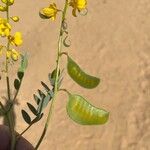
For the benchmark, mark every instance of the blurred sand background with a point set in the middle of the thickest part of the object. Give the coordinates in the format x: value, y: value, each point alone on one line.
x: 112, y: 42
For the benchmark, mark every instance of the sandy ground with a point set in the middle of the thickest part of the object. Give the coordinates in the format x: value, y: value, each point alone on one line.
x: 113, y: 42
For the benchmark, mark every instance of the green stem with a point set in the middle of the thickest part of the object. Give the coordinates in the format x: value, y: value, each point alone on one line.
x: 56, y: 79
x: 3, y: 108
x: 24, y: 131
x: 9, y: 113
x: 7, y: 12
x: 16, y: 94
x: 65, y: 90
x: 64, y: 53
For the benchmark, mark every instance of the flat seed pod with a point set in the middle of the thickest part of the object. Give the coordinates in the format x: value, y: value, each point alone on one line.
x: 80, y: 77
x: 82, y: 112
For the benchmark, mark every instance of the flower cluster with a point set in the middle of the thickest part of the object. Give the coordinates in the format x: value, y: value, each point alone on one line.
x: 51, y: 11
x: 78, y: 5
x: 5, y: 28
x: 5, y: 32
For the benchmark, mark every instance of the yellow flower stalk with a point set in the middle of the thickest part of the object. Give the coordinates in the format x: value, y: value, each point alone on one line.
x: 5, y: 28
x: 8, y: 54
x: 78, y: 5
x: 49, y: 12
x: 16, y: 39
x: 1, y: 47
x: 1, y: 52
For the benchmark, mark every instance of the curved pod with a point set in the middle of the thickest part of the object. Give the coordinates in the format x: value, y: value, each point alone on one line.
x: 82, y: 112
x: 80, y: 77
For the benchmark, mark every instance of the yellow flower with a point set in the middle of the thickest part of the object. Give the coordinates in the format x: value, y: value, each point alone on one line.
x: 13, y: 54
x: 8, y: 54
x: 78, y: 5
x: 2, y: 8
x: 16, y: 39
x: 9, y: 2
x: 49, y: 12
x: 5, y: 28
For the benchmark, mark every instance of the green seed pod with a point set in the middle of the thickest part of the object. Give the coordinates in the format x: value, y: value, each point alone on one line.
x: 80, y: 76
x: 82, y: 112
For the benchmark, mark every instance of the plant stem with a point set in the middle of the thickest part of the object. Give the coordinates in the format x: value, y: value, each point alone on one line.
x: 24, y: 131
x: 2, y: 106
x: 56, y: 79
x: 9, y: 113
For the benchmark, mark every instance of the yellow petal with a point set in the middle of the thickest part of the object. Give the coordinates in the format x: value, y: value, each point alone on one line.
x: 7, y: 32
x: 17, y: 39
x: 81, y: 4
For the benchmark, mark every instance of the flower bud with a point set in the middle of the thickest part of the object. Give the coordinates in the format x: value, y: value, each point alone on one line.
x: 2, y: 8
x: 15, y: 18
x: 49, y: 12
x: 9, y: 2
x: 8, y: 54
x: 14, y: 55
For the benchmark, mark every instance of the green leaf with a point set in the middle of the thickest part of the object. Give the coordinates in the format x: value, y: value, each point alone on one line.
x: 45, y: 86
x: 20, y: 75
x: 52, y: 81
x: 26, y: 116
x: 17, y: 84
x: 41, y: 94
x: 39, y: 109
x: 82, y: 112
x: 37, y: 99
x: 38, y: 118
x: 24, y: 63
x: 2, y: 113
x: 32, y: 108
x: 53, y: 75
x: 80, y: 77
x: 44, y: 102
